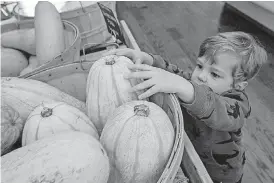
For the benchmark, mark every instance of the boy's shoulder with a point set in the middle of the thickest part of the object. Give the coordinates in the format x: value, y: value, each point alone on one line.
x: 240, y: 99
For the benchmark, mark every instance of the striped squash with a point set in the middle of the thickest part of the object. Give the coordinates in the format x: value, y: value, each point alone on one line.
x: 107, y: 88
x: 138, y: 138
x: 53, y: 118
x: 68, y: 157
x: 11, y: 128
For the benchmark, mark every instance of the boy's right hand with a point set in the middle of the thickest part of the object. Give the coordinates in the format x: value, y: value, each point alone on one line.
x: 138, y: 57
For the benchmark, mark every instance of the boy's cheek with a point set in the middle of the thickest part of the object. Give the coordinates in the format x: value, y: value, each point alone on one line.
x: 194, y: 76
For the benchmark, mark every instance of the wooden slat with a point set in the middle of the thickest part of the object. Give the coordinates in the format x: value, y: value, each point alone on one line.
x: 192, y: 164
x: 129, y: 38
x: 137, y: 32
x: 262, y: 16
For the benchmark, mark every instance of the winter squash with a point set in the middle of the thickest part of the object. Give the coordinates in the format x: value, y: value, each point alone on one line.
x: 12, y: 62
x: 52, y: 118
x: 107, y: 88
x: 25, y: 94
x: 11, y: 127
x: 33, y: 64
x: 68, y: 157
x: 49, y: 32
x: 20, y: 39
x: 138, y: 138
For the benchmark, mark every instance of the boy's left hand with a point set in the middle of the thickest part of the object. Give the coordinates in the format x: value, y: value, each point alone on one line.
x: 155, y: 80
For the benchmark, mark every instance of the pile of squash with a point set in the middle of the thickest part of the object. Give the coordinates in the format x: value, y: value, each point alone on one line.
x: 23, y: 50
x: 50, y: 136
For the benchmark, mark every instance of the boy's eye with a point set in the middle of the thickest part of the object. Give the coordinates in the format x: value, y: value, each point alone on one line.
x: 199, y: 66
x: 215, y: 75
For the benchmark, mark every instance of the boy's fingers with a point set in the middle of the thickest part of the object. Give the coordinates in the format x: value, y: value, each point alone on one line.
x: 144, y: 85
x: 142, y: 67
x: 122, y: 51
x: 149, y: 93
x: 111, y: 52
x: 138, y: 75
x: 138, y: 61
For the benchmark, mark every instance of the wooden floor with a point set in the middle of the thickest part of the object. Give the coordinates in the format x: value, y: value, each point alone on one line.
x: 175, y: 30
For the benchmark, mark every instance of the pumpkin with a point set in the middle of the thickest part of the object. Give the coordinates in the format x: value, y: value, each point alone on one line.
x: 107, y: 88
x: 11, y: 127
x: 67, y: 157
x: 25, y: 94
x: 138, y: 138
x: 53, y: 118
x: 49, y: 32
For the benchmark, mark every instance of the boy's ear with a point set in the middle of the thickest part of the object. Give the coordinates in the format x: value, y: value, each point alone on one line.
x: 241, y: 85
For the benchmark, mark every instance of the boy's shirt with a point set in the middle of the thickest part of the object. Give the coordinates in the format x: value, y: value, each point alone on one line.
x: 213, y: 123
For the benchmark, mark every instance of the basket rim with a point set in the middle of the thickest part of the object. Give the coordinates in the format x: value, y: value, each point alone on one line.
x: 178, y: 147
x: 66, y: 22
x: 76, y: 38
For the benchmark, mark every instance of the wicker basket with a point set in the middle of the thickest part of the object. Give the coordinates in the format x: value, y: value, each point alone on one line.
x: 86, y: 15
x: 71, y: 78
x: 71, y: 52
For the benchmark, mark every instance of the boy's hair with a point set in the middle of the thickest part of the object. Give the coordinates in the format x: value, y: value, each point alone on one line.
x: 248, y: 49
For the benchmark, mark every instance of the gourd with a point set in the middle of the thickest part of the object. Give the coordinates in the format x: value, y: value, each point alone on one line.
x: 138, y: 138
x: 68, y: 157
x: 33, y: 64
x: 49, y: 32
x: 53, y: 118
x: 12, y: 62
x: 107, y: 88
x: 25, y: 94
x: 21, y: 39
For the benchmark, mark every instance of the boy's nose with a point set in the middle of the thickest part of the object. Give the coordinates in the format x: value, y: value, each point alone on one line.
x: 202, y: 77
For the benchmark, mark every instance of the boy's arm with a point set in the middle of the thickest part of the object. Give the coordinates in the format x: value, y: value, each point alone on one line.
x: 225, y: 112
x: 159, y: 62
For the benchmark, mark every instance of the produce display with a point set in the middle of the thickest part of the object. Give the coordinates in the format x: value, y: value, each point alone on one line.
x: 108, y: 136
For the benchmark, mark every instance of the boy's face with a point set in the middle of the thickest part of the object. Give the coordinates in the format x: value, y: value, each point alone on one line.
x: 216, y: 75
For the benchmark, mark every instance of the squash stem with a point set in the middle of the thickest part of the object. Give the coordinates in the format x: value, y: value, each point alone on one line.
x: 46, y: 112
x: 110, y: 62
x: 141, y: 110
